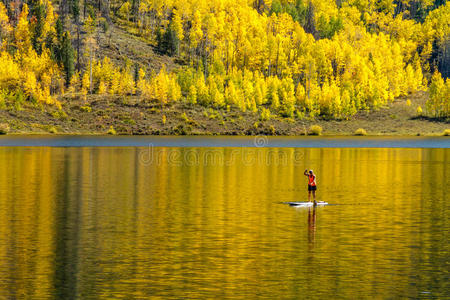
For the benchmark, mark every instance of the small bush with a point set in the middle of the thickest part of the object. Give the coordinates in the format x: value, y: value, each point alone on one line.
x: 111, y: 130
x: 164, y: 119
x: 86, y: 108
x: 185, y: 117
x: 315, y: 130
x: 419, y: 111
x: 360, y: 131
x: 59, y: 114
x: 53, y: 130
x: 272, y: 130
x: 446, y: 132
x: 300, y: 114
x: 408, y: 102
x: 4, y: 128
x: 265, y: 114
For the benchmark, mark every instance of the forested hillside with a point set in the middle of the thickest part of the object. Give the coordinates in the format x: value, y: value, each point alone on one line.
x: 290, y: 59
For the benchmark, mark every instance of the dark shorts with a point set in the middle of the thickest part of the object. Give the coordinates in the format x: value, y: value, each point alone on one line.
x: 312, y: 187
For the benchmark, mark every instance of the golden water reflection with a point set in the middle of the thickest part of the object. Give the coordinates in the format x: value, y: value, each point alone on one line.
x: 113, y: 223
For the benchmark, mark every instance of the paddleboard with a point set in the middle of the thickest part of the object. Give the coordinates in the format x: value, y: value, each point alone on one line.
x: 306, y: 203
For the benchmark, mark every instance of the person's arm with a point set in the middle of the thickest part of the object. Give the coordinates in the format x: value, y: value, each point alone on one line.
x: 305, y: 173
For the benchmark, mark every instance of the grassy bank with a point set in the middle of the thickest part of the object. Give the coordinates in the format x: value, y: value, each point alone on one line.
x: 132, y: 116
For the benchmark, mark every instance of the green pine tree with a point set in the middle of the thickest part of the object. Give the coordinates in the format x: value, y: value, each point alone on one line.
x: 67, y: 55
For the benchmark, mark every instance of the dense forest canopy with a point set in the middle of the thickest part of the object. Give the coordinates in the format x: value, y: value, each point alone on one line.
x: 293, y: 58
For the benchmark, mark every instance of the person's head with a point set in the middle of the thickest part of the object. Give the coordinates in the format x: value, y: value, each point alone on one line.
x: 311, y: 172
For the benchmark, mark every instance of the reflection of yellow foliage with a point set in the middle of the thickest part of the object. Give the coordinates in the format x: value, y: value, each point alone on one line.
x: 231, y: 208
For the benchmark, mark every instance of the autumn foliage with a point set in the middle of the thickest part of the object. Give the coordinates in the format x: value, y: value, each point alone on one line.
x: 288, y: 58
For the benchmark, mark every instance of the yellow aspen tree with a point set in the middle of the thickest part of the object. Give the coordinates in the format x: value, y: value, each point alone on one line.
x: 196, y: 33
x: 101, y: 87
x: 174, y: 89
x: 177, y: 24
x: 74, y: 83
x: 192, y: 95
x: 10, y: 72
x: 438, y: 104
x: 30, y: 84
x: 300, y: 94
x: 85, y: 84
x: 114, y: 87
x: 141, y: 83
x: 49, y: 22
x: 230, y: 94
x: 22, y: 33
x: 5, y: 27
x: 202, y: 90
x: 124, y: 10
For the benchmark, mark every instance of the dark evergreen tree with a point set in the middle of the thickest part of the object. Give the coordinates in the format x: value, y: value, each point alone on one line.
x: 67, y: 54
x: 56, y: 47
x: 38, y: 12
x: 75, y: 9
x: 168, y: 41
x: 310, y: 24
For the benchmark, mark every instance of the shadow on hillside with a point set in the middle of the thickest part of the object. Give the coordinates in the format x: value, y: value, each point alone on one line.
x: 431, y: 119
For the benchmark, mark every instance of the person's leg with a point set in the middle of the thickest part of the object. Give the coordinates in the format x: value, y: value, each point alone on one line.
x: 314, y: 195
x: 309, y: 195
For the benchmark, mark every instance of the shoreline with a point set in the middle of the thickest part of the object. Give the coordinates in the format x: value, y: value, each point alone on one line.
x: 236, y: 142
x: 312, y: 136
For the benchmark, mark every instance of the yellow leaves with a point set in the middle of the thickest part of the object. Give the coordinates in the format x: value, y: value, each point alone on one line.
x: 265, y: 114
x: 196, y: 32
x: 9, y: 72
x: 439, y: 102
x: 74, y: 83
x: 22, y: 33
x: 231, y: 96
x: 177, y: 24
x: 300, y: 94
x: 124, y: 10
x: 106, y: 78
x: 85, y: 83
x: 4, y: 20
x: 192, y: 95
x: 436, y: 24
x: 162, y: 87
x: 216, y: 97
x: 39, y: 64
x: 419, y: 111
x: 31, y: 73
x: 247, y: 59
x: 5, y: 27
x: 29, y: 84
x: 50, y: 18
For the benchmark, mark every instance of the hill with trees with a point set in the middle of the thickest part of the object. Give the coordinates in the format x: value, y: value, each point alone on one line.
x: 289, y: 60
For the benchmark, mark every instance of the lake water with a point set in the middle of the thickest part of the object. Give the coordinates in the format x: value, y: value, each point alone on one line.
x: 195, y: 219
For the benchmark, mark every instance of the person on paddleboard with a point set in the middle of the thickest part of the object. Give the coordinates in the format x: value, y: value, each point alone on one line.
x: 312, y: 187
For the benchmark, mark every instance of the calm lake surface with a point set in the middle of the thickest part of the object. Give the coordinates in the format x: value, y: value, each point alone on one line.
x: 142, y: 218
